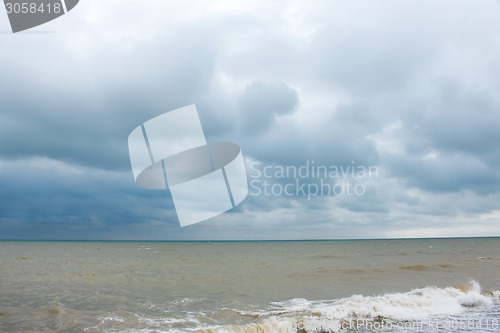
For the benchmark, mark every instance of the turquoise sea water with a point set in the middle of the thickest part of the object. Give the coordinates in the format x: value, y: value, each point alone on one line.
x: 429, y: 285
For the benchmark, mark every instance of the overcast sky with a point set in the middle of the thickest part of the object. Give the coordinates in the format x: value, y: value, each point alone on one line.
x: 410, y: 88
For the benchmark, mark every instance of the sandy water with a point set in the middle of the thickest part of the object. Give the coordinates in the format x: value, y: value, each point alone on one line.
x: 442, y: 284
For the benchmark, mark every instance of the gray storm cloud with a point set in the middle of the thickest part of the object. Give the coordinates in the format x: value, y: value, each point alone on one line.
x: 411, y: 88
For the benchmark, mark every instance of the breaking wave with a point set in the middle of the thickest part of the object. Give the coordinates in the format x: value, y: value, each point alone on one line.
x: 367, y: 313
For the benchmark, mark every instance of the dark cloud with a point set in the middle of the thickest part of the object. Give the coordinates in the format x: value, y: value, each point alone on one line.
x: 458, y: 120
x: 450, y: 142
x: 449, y: 173
x: 260, y: 104
x: 87, y: 116
x: 334, y: 139
x: 409, y: 88
x: 41, y: 191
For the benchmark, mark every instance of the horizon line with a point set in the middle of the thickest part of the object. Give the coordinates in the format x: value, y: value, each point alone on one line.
x: 246, y: 240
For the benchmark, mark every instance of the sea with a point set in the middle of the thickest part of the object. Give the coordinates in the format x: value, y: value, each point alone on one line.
x: 398, y: 285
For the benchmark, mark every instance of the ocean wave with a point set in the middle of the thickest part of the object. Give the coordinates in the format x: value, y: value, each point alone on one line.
x: 300, y: 315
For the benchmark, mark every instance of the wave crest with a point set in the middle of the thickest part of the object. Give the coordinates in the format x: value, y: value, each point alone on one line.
x: 300, y: 315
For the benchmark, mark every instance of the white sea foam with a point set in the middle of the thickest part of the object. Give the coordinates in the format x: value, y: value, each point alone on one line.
x: 429, y: 309
x: 414, y: 305
x: 331, y: 316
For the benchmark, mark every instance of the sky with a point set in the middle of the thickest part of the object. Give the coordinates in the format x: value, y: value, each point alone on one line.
x: 409, y: 90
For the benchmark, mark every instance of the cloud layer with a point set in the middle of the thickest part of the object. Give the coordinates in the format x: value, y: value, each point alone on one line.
x: 408, y: 88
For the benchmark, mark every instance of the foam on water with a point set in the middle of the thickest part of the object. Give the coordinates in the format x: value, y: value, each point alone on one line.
x: 415, y: 309
x: 115, y: 287
x: 332, y: 316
